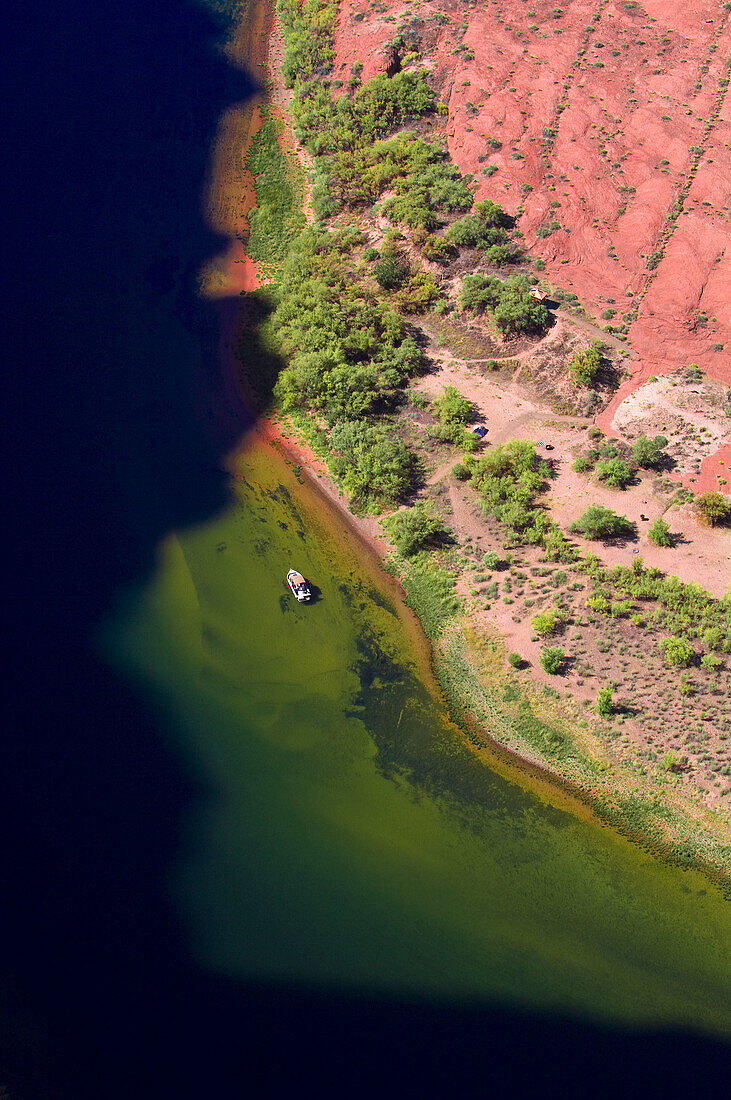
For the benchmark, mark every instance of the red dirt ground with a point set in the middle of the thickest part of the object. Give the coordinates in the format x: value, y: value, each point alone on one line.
x: 588, y: 101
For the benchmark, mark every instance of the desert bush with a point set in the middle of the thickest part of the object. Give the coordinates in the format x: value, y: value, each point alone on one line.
x: 585, y: 365
x: 546, y: 623
x: 437, y: 249
x: 515, y: 660
x: 419, y: 294
x: 599, y: 522
x: 615, y: 471
x: 461, y: 472
x: 552, y: 659
x: 491, y: 559
x: 414, y: 529
x: 677, y: 652
x: 713, y: 508
x: 392, y: 269
x: 604, y: 702
x: 659, y: 533
x: 452, y: 408
x: 670, y: 761
x: 649, y: 452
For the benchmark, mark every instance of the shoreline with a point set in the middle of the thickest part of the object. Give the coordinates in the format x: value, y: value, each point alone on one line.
x: 518, y: 767
x: 516, y: 764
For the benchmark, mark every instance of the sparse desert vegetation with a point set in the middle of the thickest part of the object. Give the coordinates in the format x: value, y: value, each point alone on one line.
x: 407, y: 313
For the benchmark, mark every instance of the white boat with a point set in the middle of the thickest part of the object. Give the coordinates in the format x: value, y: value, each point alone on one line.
x: 299, y: 585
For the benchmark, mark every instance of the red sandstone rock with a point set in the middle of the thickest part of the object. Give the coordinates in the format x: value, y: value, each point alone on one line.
x: 588, y: 101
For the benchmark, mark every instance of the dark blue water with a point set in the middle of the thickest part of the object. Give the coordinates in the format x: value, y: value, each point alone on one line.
x: 114, y: 433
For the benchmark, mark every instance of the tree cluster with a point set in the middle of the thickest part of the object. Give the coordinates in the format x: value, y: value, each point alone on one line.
x: 509, y: 302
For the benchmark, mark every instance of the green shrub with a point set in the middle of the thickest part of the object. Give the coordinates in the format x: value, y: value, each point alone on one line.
x: 515, y: 660
x: 649, y: 452
x: 452, y: 408
x: 509, y: 301
x: 659, y: 533
x: 711, y: 662
x: 437, y: 249
x: 546, y: 622
x: 414, y: 529
x: 368, y: 461
x: 552, y: 659
x: 585, y: 365
x: 491, y: 559
x: 713, y: 508
x: 670, y: 761
x: 506, y: 478
x: 483, y: 229
x: 309, y: 37
x: 677, y: 652
x: 419, y: 294
x: 391, y: 270
x: 615, y: 471
x: 461, y: 472
x: 604, y: 702
x: 582, y: 465
x: 599, y: 522
x: 371, y: 254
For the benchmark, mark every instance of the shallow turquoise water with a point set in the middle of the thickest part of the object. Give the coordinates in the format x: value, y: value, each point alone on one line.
x: 345, y: 836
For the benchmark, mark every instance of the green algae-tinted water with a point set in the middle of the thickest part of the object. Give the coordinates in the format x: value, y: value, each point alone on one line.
x: 345, y: 836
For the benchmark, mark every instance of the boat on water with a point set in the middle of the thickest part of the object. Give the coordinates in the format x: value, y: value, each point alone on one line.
x: 299, y: 586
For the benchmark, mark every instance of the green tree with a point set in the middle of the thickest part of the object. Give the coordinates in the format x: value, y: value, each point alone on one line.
x: 585, y: 365
x: 659, y: 533
x: 713, y: 508
x: 615, y: 471
x: 552, y: 658
x: 371, y: 463
x: 414, y: 529
x: 517, y: 310
x: 599, y: 522
x: 513, y: 307
x: 677, y: 651
x: 604, y: 702
x: 452, y: 408
x: 649, y: 452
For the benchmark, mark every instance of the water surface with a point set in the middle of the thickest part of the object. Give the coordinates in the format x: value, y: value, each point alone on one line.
x: 347, y: 837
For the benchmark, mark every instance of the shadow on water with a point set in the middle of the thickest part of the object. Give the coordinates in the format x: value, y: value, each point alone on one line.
x: 115, y: 440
